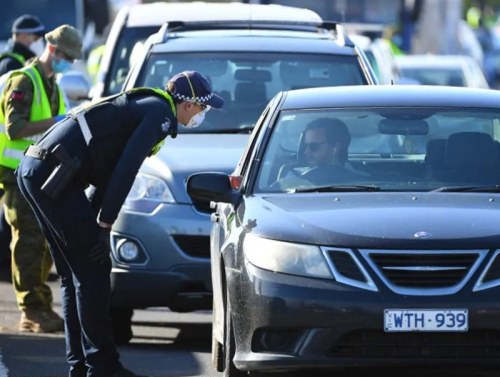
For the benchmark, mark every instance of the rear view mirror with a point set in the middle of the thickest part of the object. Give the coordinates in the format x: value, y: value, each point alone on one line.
x: 403, y: 127
x: 74, y: 85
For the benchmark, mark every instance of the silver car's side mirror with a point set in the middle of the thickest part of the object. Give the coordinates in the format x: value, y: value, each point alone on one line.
x: 74, y: 85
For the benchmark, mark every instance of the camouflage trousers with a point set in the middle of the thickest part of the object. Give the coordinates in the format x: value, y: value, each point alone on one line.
x: 31, y: 260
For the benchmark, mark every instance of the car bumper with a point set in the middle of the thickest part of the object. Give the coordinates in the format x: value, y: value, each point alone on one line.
x: 174, y: 269
x: 288, y: 323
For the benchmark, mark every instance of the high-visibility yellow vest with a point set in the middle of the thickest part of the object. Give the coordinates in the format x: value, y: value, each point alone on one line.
x: 156, y: 91
x: 94, y: 61
x: 11, y: 151
x: 13, y: 55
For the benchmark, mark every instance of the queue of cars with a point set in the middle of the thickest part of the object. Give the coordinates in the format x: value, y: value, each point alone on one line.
x: 385, y: 254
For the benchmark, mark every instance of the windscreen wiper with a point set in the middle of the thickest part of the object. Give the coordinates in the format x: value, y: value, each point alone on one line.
x: 337, y: 188
x: 243, y: 130
x: 468, y: 189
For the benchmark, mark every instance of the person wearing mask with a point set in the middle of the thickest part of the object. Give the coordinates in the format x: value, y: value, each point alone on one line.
x: 26, y: 44
x: 103, y: 145
x: 30, y: 104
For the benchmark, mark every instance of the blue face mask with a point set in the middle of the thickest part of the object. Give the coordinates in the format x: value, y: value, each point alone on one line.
x: 61, y: 66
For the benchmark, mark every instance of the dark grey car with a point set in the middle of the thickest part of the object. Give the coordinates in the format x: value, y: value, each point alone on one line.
x: 387, y: 257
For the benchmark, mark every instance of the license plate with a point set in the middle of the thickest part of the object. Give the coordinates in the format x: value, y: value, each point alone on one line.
x: 405, y: 320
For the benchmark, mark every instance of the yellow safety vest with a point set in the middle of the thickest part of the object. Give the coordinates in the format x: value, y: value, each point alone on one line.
x: 94, y: 61
x: 11, y: 151
x: 156, y: 91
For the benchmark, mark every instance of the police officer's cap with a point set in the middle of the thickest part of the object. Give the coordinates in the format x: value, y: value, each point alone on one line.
x: 192, y: 86
x: 28, y: 24
x: 67, y: 39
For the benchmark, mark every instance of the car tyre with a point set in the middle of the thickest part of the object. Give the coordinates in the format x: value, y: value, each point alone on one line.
x: 121, y: 323
x: 230, y: 369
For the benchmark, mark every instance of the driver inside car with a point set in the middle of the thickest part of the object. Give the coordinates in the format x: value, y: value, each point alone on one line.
x: 323, y: 148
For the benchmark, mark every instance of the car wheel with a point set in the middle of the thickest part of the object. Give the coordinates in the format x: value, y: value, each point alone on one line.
x: 230, y: 346
x: 121, y: 323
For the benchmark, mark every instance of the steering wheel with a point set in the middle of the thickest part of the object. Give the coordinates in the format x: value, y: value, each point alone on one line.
x: 327, y: 174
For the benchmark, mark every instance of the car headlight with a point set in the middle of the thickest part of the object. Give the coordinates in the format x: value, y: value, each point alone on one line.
x: 147, y: 193
x: 285, y: 257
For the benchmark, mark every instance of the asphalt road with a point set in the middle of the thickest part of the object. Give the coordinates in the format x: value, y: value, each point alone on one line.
x: 165, y: 344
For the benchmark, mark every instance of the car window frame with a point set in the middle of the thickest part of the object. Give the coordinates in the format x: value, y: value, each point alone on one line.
x: 261, y: 144
x: 246, y: 158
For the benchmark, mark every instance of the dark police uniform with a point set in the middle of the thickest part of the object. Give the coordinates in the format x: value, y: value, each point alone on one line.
x: 14, y: 57
x: 124, y: 130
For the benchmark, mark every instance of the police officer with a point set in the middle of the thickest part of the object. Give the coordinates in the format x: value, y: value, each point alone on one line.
x: 30, y: 103
x: 103, y: 145
x: 26, y: 43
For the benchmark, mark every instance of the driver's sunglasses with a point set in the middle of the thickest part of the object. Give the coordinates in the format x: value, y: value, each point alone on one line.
x: 64, y: 56
x: 314, y: 146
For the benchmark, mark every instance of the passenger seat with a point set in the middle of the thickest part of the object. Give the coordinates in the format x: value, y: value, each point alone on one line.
x: 472, y: 157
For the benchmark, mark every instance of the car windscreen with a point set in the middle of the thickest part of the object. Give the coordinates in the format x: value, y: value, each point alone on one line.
x: 248, y: 81
x: 52, y: 13
x: 394, y: 149
x: 130, y: 41
x: 436, y: 76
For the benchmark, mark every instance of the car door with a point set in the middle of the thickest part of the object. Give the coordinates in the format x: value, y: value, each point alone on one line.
x: 223, y: 222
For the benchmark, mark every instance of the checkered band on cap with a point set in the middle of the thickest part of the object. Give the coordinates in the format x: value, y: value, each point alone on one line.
x: 182, y: 97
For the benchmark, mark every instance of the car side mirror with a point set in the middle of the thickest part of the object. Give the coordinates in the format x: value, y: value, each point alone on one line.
x: 211, y: 187
x: 75, y: 86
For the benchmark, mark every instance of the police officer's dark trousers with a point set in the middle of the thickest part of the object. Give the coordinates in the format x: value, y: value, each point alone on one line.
x: 70, y: 226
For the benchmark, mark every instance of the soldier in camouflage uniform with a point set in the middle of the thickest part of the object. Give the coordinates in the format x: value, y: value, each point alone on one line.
x: 31, y: 260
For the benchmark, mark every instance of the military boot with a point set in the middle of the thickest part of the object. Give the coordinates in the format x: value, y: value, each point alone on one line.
x: 58, y: 321
x: 38, y: 321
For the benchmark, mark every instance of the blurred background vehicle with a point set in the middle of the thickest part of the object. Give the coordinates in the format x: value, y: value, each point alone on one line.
x: 380, y: 56
x: 442, y: 70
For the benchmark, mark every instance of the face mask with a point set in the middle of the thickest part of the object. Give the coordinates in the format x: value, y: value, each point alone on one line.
x: 37, y: 47
x: 61, y: 66
x: 197, y: 119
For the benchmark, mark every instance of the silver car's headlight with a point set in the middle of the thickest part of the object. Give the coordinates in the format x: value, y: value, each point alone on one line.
x: 285, y: 257
x: 147, y: 193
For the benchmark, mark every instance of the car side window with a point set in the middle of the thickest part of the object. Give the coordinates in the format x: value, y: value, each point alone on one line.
x: 247, y: 154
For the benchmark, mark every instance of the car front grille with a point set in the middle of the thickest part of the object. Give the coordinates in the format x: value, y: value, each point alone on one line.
x: 439, y: 345
x: 195, y: 246
x: 346, y: 265
x: 425, y: 272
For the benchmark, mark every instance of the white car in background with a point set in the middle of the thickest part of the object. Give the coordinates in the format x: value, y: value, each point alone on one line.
x: 449, y: 70
x: 134, y: 24
x: 380, y: 56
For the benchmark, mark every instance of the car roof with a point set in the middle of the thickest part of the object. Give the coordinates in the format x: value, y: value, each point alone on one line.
x: 391, y: 96
x: 156, y: 14
x: 252, y: 40
x: 432, y: 61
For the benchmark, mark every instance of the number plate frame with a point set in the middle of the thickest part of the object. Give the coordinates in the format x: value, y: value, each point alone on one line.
x: 429, y: 317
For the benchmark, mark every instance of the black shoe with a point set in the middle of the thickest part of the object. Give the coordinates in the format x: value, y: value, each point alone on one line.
x: 125, y: 373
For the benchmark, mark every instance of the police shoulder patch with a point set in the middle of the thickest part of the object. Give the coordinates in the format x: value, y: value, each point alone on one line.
x: 165, y: 125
